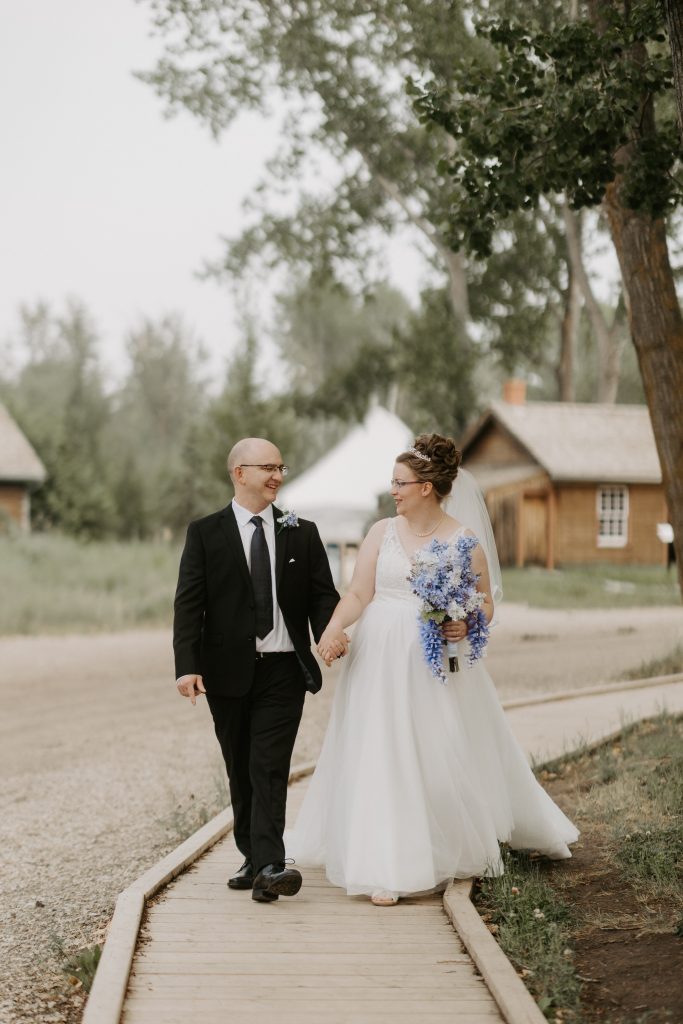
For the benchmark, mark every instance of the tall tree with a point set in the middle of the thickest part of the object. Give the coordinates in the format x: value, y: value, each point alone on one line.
x: 154, y: 411
x: 59, y: 400
x: 340, y: 67
x: 583, y: 111
x: 674, y: 20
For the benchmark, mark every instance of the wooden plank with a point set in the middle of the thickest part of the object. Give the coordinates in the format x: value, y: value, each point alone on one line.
x: 206, y: 951
x: 507, y: 988
x: 391, y: 1006
x: 150, y: 1015
x: 108, y: 991
x: 331, y: 970
x: 404, y: 957
x: 284, y: 995
x: 182, y: 954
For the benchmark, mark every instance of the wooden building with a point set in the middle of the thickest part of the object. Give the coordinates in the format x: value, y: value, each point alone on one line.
x: 20, y: 471
x: 567, y: 482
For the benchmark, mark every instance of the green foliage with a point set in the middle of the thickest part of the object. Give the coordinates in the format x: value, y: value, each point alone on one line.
x: 60, y: 403
x: 154, y: 413
x: 653, y: 855
x: 339, y: 68
x: 551, y: 113
x: 130, y: 463
x: 342, y: 352
x: 57, y: 584
x: 664, y: 665
x: 532, y: 925
x: 83, y: 965
x: 435, y: 368
x: 592, y: 586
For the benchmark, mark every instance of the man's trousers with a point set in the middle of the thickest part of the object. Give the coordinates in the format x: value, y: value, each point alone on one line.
x: 257, y: 733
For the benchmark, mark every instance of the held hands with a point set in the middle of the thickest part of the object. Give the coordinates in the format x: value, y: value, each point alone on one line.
x: 454, y: 631
x: 334, y: 643
x: 190, y: 686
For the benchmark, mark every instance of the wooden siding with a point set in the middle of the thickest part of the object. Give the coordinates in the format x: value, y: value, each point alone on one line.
x: 505, y: 509
x: 495, y: 447
x: 14, y: 503
x: 577, y: 526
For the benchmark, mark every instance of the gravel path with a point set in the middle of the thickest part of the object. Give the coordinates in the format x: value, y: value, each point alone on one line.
x: 105, y: 769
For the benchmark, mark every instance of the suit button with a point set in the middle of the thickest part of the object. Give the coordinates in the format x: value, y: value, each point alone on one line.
x: 250, y: 637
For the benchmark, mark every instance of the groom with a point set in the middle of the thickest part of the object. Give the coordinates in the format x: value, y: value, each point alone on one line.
x: 250, y: 582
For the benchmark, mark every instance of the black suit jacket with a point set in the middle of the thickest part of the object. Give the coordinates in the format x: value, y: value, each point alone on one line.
x: 214, y: 625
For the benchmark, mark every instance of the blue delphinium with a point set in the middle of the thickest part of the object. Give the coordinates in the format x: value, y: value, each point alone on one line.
x: 442, y: 577
x: 288, y: 520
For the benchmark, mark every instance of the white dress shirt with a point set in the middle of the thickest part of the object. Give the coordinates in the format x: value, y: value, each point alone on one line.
x: 278, y: 639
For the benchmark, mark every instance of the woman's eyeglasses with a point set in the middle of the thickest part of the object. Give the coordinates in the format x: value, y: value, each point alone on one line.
x: 398, y: 484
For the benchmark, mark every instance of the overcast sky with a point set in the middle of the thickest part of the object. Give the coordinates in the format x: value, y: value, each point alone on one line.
x: 101, y: 196
x: 104, y: 199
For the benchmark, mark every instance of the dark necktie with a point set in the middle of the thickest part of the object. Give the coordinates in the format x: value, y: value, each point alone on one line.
x: 261, y: 579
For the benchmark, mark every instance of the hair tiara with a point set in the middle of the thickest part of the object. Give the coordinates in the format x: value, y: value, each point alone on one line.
x: 419, y: 455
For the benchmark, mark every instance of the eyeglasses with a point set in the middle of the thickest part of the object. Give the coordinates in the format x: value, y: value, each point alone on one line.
x: 396, y: 485
x: 270, y: 467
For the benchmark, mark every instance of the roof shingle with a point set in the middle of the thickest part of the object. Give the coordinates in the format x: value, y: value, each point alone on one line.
x: 585, y: 442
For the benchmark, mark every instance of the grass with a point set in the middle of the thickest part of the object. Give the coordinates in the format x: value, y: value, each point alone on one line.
x: 189, y: 815
x: 533, y: 927
x: 592, y: 586
x: 55, y: 584
x: 626, y: 796
x: 668, y: 664
x: 79, y: 966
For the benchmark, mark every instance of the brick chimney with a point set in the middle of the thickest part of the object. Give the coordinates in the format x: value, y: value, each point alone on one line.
x: 514, y: 391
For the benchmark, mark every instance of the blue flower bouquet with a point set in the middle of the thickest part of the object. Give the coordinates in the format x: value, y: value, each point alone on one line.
x: 441, y: 575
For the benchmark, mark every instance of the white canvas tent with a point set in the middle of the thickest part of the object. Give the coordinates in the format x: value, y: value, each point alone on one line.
x: 339, y: 493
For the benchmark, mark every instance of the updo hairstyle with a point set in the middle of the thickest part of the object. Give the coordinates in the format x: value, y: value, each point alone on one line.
x: 442, y: 468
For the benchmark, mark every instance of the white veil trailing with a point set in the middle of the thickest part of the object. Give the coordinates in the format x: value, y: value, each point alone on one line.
x: 466, y: 504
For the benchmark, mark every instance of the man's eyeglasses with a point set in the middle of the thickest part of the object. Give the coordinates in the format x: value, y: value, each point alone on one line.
x: 270, y: 467
x: 398, y: 484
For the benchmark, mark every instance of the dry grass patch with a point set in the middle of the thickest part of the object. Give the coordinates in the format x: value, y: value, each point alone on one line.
x: 619, y: 902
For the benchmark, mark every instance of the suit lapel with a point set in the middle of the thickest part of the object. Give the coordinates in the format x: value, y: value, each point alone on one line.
x: 232, y: 532
x: 280, y: 545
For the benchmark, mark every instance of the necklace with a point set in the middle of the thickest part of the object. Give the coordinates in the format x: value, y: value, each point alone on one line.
x: 427, y: 532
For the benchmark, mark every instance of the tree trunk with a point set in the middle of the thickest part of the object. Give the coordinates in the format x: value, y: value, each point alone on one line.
x: 458, y: 288
x: 674, y: 20
x: 606, y: 338
x: 657, y: 330
x: 569, y: 336
x: 653, y: 311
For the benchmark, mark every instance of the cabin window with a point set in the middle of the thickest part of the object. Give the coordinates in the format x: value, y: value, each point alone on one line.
x: 612, y: 508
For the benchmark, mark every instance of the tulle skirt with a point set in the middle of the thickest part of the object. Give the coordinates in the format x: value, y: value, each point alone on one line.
x: 417, y: 781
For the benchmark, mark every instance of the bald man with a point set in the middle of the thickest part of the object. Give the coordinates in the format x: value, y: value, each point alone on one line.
x: 249, y: 585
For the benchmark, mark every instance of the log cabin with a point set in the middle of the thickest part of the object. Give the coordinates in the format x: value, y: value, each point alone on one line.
x: 568, y: 483
x: 20, y: 471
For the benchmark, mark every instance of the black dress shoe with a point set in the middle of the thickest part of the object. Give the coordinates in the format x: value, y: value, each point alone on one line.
x: 243, y: 878
x: 275, y: 880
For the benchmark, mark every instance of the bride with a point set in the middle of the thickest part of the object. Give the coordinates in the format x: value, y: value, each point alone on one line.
x: 417, y: 782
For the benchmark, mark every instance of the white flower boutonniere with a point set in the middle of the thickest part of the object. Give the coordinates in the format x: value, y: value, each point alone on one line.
x: 287, y: 520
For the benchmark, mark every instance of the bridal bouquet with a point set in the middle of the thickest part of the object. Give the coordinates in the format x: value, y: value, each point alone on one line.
x: 441, y: 575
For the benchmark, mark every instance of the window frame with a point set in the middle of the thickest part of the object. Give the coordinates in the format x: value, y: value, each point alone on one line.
x: 612, y: 540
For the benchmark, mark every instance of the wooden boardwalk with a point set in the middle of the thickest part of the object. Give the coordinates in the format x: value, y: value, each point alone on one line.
x: 212, y: 955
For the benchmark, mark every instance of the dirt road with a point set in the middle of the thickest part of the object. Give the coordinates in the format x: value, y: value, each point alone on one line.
x: 105, y: 768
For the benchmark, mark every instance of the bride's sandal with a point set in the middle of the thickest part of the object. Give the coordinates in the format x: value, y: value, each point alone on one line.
x: 384, y: 898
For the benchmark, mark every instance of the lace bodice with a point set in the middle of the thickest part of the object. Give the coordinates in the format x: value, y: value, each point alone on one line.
x: 393, y: 566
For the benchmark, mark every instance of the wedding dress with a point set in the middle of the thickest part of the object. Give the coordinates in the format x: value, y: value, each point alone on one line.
x: 416, y: 781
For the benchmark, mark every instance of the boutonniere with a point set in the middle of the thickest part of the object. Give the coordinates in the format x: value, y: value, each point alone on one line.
x: 287, y: 520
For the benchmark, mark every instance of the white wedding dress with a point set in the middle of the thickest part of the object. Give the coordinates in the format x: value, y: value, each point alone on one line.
x: 416, y: 781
